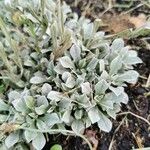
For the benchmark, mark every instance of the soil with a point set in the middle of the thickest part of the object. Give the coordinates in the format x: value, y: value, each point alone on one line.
x: 134, y: 132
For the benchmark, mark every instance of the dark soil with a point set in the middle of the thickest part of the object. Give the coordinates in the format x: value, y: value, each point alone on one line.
x: 134, y: 132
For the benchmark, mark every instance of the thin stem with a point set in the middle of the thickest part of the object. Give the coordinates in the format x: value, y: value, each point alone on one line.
x: 125, y: 113
x: 61, y: 131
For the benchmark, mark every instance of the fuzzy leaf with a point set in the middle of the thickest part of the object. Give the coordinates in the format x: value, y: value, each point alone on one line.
x: 3, y: 106
x: 51, y: 119
x: 54, y: 95
x: 66, y: 62
x: 46, y: 88
x: 115, y: 65
x: 93, y: 114
x: 37, y: 80
x: 86, y: 89
x: 130, y: 76
x: 117, y: 45
x: 39, y: 141
x: 12, y: 139
x: 104, y: 123
x: 92, y: 64
x: 29, y: 135
x: 75, y: 52
x: 78, y: 126
x: 101, y: 87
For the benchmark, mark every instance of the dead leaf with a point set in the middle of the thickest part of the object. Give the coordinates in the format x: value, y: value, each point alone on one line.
x: 118, y: 23
x: 91, y: 136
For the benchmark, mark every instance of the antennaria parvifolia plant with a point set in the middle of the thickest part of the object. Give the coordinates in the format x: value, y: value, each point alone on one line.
x: 60, y: 71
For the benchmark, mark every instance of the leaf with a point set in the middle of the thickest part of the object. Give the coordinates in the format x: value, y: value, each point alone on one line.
x: 75, y: 52
x: 29, y: 135
x: 40, y: 110
x: 56, y: 147
x: 93, y: 114
x: 101, y: 87
x: 78, y: 126
x: 46, y: 88
x: 66, y: 116
x: 41, y: 124
x: 104, y: 123
x: 70, y: 83
x: 13, y: 95
x: 66, y: 62
x: 106, y: 103
x: 86, y: 89
x: 122, y: 98
x: 20, y: 105
x: 117, y: 91
x: 37, y: 80
x: 3, y: 106
x: 39, y: 142
x: 29, y: 100
x: 117, y: 44
x: 54, y: 95
x: 92, y: 64
x: 51, y: 119
x: 130, y: 76
x: 50, y: 69
x: 101, y: 65
x: 12, y: 139
x: 115, y: 65
x: 78, y: 114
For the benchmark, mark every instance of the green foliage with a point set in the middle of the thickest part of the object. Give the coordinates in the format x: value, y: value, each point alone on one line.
x: 61, y: 71
x: 56, y: 147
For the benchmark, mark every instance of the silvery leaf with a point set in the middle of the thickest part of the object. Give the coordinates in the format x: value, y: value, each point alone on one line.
x: 29, y: 135
x: 65, y: 76
x: 13, y: 95
x: 54, y: 95
x: 130, y: 76
x: 42, y: 100
x: 51, y: 119
x: 46, y: 88
x: 50, y: 69
x: 29, y: 100
x: 78, y: 114
x: 106, y: 103
x: 75, y: 52
x: 82, y: 63
x: 3, y: 106
x: 66, y: 62
x: 12, y: 139
x: 122, y: 98
x: 66, y: 116
x: 111, y: 113
x: 93, y: 114
x: 117, y: 91
x: 92, y: 64
x: 101, y: 87
x: 59, y: 69
x: 70, y: 83
x: 40, y: 110
x: 117, y: 45
x: 78, y: 126
x: 104, y: 123
x: 101, y: 65
x: 20, y: 105
x: 86, y: 88
x: 39, y: 142
x: 37, y: 80
x: 115, y: 65
x: 41, y: 124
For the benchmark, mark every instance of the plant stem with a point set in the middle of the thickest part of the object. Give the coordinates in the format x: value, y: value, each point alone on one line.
x: 61, y: 131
